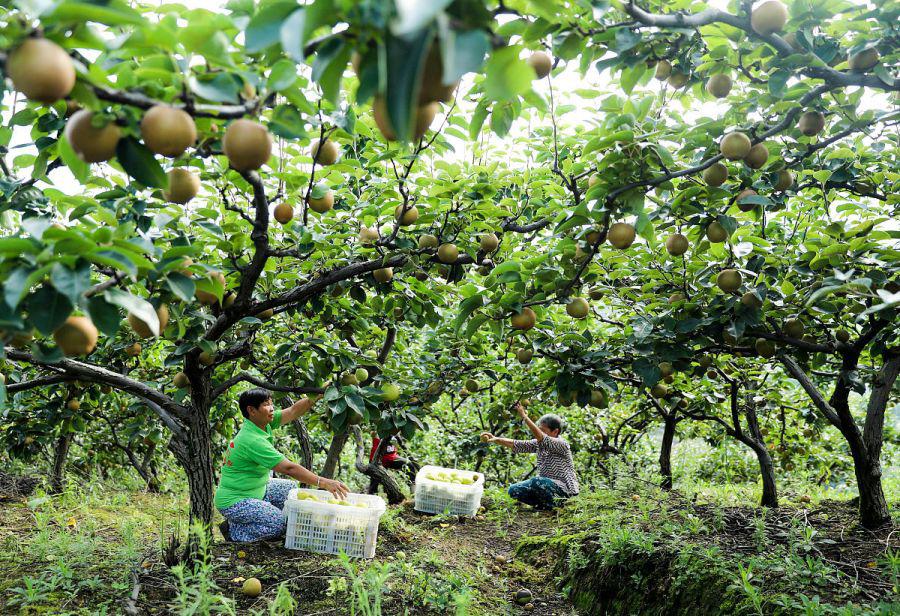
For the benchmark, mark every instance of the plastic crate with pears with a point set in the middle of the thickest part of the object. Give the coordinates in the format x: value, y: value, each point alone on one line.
x: 318, y: 522
x: 448, y: 490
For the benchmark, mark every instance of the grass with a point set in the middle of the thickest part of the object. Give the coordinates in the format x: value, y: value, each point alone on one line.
x: 701, y: 549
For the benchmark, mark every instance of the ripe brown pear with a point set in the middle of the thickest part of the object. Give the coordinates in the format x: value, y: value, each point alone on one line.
x: 757, y: 156
x: 750, y: 300
x: 425, y: 115
x: 678, y: 79
x: 663, y: 70
x: 141, y: 328
x: 407, y: 218
x: 676, y: 244
x: 384, y: 274
x: 811, y: 123
x: 133, y: 350
x: 743, y: 205
x: 426, y: 240
x: 324, y: 153
x: 322, y: 204
x: 524, y: 320
x: 41, y: 70
x: 715, y: 174
x: 769, y: 17
x: 74, y: 404
x: 448, y: 253
x: 183, y: 185
x: 729, y: 280
x: 489, y: 242
x: 284, y: 213
x: 91, y: 144
x: 719, y: 85
x: 793, y: 328
x: 598, y: 398
x: 77, y: 336
x: 765, y: 348
x: 863, y: 61
x: 168, y: 131
x: 785, y: 180
x: 621, y: 235
x: 431, y: 86
x: 735, y: 146
x: 541, y: 62
x: 578, y: 308
x: 716, y: 233
x: 207, y: 298
x: 247, y: 144
x: 368, y: 235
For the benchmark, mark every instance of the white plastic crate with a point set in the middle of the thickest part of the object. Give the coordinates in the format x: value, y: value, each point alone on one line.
x: 436, y: 493
x: 320, y: 526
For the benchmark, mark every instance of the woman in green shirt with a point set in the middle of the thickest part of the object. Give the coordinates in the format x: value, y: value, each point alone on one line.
x: 249, y: 500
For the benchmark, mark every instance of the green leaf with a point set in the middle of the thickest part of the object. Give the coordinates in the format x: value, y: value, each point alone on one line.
x: 292, y: 35
x: 405, y: 59
x: 48, y: 308
x: 264, y: 30
x: 478, y: 117
x: 466, y: 308
x: 15, y: 246
x: 104, y: 315
x: 113, y: 258
x: 71, y: 282
x: 139, y: 163
x: 506, y: 75
x: 114, y: 13
x: 217, y: 87
x: 413, y: 15
x: 80, y: 169
x: 138, y: 306
x: 328, y: 67
x: 464, y: 52
x: 282, y: 76
x: 182, y: 286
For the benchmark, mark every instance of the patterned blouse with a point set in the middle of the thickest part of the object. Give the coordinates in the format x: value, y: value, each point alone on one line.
x: 554, y: 461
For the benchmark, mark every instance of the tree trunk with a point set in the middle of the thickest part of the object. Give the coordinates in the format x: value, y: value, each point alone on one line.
x: 665, y: 451
x: 334, y: 454
x: 757, y: 443
x: 306, y: 455
x: 377, y: 474
x: 873, y: 507
x: 767, y: 473
x: 60, y: 454
x: 194, y: 454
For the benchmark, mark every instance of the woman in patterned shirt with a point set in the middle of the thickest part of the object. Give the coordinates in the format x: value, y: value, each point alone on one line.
x: 556, y: 479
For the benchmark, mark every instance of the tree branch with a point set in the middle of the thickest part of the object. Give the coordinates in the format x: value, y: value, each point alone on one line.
x: 815, y: 395
x: 90, y: 372
x: 249, y: 378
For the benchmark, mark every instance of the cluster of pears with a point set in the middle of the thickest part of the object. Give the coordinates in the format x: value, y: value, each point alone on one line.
x: 308, y: 496
x: 771, y: 16
x: 451, y: 477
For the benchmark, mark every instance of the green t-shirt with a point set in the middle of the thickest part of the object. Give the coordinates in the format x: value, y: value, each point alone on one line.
x: 248, y: 460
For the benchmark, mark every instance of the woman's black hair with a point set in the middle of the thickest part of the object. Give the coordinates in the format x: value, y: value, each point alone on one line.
x: 253, y: 397
x: 554, y: 422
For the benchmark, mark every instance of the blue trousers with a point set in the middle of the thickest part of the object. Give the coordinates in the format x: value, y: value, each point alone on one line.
x: 540, y: 492
x: 253, y: 519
